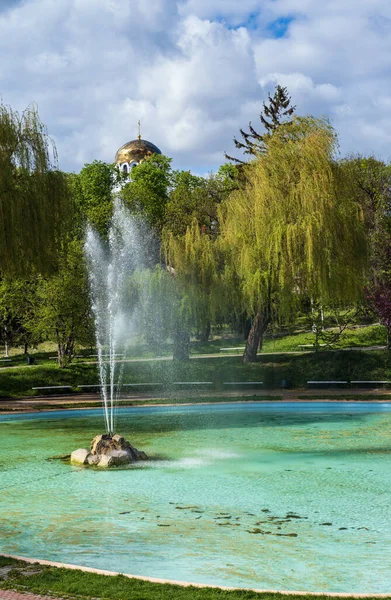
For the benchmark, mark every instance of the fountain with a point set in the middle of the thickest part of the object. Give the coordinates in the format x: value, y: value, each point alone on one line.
x: 110, y: 265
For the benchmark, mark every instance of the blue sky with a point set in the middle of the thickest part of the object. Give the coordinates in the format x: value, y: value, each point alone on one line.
x: 194, y: 71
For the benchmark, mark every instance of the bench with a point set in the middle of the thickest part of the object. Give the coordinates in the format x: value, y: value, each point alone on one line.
x: 90, y: 385
x: 5, y: 359
x: 241, y: 348
x: 96, y: 355
x: 96, y: 385
x: 53, y: 387
x: 99, y: 385
x: 186, y: 383
x: 242, y: 382
x: 310, y: 346
x: 361, y: 382
x: 329, y: 383
x: 140, y: 384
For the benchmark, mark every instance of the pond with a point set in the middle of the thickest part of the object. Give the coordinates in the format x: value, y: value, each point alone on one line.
x: 288, y: 496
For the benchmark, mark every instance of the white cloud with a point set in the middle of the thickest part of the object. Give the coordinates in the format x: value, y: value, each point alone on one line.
x: 231, y: 12
x: 194, y: 71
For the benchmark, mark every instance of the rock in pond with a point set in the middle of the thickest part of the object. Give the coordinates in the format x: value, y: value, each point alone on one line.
x: 80, y: 456
x: 93, y: 459
x: 108, y: 451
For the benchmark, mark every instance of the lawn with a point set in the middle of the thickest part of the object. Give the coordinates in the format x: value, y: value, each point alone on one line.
x: 370, y: 335
x: 62, y: 582
x: 296, y: 369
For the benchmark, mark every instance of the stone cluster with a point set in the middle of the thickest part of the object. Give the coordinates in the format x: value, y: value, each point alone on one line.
x: 108, y: 451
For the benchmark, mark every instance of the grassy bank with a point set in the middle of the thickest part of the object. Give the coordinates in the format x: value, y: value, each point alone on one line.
x: 370, y: 335
x: 355, y: 337
x: 296, y: 369
x: 62, y: 582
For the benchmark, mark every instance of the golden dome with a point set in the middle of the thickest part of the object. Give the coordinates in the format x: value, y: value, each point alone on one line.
x: 135, y: 152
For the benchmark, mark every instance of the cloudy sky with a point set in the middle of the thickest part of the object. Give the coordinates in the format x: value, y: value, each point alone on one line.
x: 194, y: 71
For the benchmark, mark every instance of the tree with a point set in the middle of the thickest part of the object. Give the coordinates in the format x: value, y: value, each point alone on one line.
x: 191, y: 227
x: 62, y: 311
x: 17, y: 301
x: 93, y: 190
x: 35, y: 203
x: 370, y: 182
x: 274, y: 114
x: 293, y: 231
x: 192, y: 261
x: 379, y: 299
x: 197, y: 198
x: 147, y: 191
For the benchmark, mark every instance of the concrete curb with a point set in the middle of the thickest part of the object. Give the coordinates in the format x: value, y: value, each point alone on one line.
x: 188, y: 583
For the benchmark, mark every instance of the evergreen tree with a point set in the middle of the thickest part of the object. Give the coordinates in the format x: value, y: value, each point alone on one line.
x: 275, y: 112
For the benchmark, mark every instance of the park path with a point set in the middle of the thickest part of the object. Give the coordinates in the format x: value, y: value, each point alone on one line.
x: 37, y: 403
x: 11, y: 595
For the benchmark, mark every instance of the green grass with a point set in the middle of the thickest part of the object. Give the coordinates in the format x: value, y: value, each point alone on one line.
x: 297, y: 369
x: 62, y: 582
x: 370, y: 335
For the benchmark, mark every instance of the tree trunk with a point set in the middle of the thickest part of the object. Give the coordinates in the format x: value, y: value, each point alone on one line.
x: 26, y: 347
x: 254, y: 340
x: 65, y: 351
x: 181, y: 345
x: 247, y: 328
x: 204, y: 337
x: 6, y: 341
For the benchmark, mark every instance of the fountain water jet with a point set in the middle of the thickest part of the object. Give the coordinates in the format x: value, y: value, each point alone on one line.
x: 109, y: 267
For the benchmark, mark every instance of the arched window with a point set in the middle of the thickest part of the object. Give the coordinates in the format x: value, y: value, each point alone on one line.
x: 125, y: 168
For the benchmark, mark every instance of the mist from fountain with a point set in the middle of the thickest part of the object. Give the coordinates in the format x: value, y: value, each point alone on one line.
x: 110, y: 266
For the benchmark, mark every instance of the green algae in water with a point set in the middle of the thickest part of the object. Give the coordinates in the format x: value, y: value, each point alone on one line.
x: 272, y: 496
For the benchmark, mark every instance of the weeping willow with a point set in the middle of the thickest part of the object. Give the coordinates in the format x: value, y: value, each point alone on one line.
x: 193, y: 261
x: 35, y: 203
x: 294, y: 229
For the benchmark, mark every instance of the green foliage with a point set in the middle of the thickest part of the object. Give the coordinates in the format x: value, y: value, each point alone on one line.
x: 93, y: 192
x: 192, y: 260
x: 300, y: 367
x: 197, y: 198
x: 371, y: 183
x: 292, y: 231
x: 62, y: 311
x: 184, y: 202
x: 35, y: 203
x: 155, y: 294
x: 147, y: 192
x: 17, y: 299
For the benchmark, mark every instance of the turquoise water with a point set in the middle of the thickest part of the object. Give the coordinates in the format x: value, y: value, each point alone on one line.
x: 272, y: 495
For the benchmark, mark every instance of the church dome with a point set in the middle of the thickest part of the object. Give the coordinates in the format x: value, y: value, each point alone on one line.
x: 134, y: 152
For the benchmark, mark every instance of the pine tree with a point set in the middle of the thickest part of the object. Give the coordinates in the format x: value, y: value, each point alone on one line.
x: 275, y: 112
